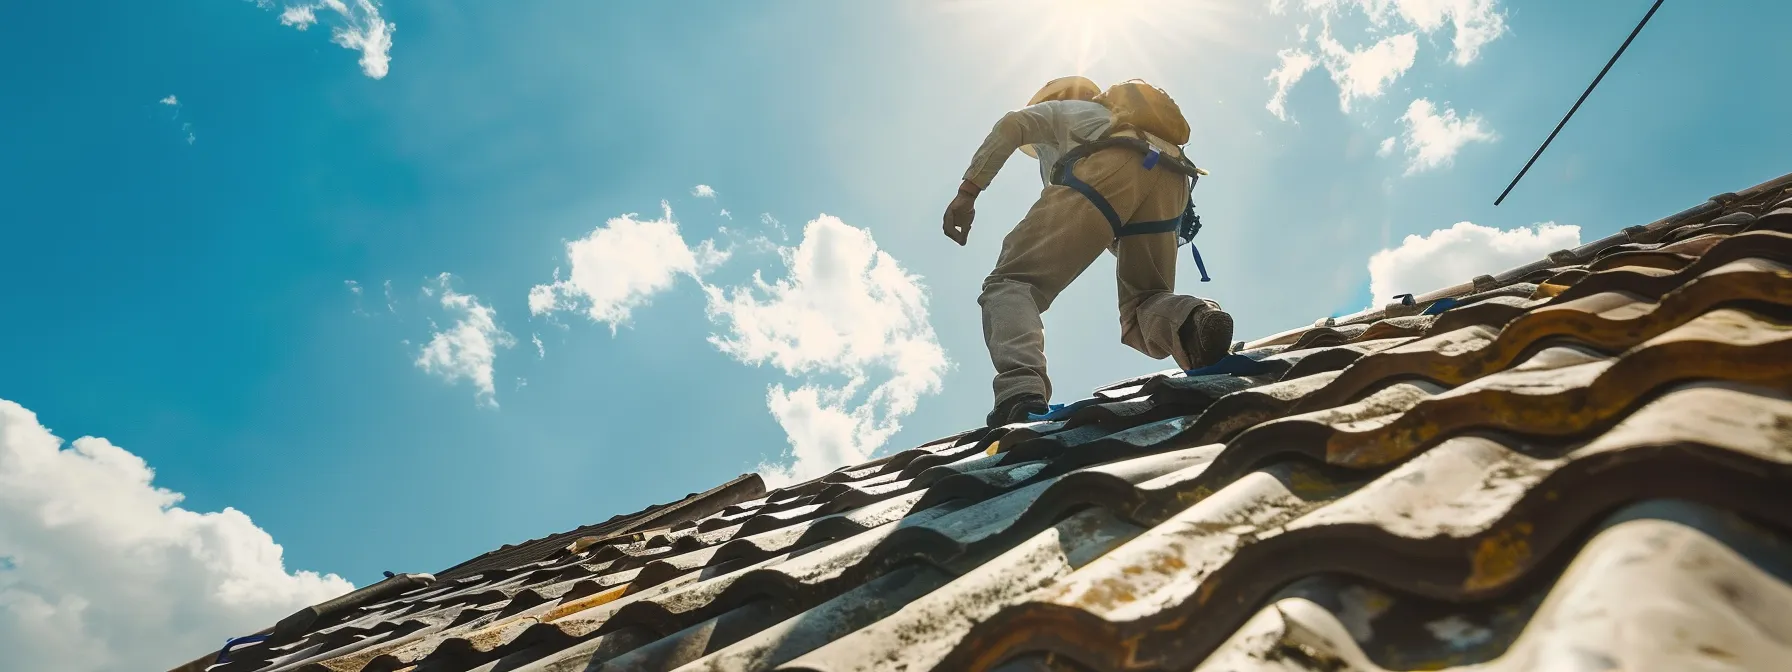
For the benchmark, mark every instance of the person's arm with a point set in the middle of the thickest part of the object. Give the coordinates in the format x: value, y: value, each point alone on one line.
x: 1025, y: 126
x: 1028, y: 125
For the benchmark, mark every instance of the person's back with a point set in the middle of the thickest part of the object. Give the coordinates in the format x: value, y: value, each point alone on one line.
x: 1114, y: 198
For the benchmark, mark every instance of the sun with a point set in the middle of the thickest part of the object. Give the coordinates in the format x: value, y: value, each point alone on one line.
x: 1123, y: 38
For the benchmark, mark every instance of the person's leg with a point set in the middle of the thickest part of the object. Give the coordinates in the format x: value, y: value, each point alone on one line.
x: 1153, y: 319
x: 1059, y: 237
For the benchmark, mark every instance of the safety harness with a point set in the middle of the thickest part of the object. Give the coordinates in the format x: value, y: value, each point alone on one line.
x: 1185, y: 225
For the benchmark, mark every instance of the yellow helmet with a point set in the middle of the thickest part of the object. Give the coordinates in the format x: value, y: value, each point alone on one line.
x: 1075, y: 87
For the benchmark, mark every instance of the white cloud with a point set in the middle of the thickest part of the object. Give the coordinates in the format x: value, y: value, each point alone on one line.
x: 1433, y: 139
x: 1452, y: 256
x: 1366, y: 73
x: 1475, y: 23
x: 469, y: 349
x: 845, y: 309
x: 299, y: 16
x: 1295, y: 65
x: 726, y: 213
x: 703, y: 191
x: 618, y: 267
x: 1387, y: 147
x: 103, y: 571
x: 354, y: 288
x: 356, y: 26
x: 541, y: 351
x: 170, y: 100
x: 772, y: 223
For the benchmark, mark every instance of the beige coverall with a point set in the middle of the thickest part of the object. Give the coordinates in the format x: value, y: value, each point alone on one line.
x: 1063, y: 233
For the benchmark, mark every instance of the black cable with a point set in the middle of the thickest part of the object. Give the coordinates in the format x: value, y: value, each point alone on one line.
x: 1583, y: 98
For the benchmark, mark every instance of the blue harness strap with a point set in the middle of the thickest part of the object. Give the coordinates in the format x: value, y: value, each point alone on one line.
x: 1068, y: 178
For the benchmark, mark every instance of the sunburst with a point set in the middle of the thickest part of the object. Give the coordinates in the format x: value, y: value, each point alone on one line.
x: 1106, y: 40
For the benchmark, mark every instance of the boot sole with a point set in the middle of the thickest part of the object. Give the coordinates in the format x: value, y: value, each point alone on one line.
x: 1214, y: 330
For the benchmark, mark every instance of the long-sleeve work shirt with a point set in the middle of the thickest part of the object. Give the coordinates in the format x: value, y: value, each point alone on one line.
x: 1052, y: 128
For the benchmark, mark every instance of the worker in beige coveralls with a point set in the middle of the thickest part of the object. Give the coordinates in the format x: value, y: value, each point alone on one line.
x: 1065, y: 231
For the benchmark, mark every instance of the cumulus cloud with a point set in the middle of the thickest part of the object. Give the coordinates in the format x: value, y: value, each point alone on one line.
x: 1433, y: 139
x: 103, y: 571
x: 1474, y: 23
x: 703, y: 191
x: 170, y: 101
x: 621, y: 265
x: 1455, y: 255
x: 468, y: 349
x: 1366, y: 72
x: 1387, y: 147
x: 355, y: 24
x: 1295, y: 65
x: 844, y: 310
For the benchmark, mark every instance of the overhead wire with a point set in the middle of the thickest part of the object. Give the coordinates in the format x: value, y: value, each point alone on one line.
x: 1583, y: 98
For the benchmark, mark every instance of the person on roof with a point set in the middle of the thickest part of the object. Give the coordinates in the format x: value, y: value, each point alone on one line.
x: 1113, y: 194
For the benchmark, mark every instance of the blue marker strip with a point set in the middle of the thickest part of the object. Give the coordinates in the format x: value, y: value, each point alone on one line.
x: 1439, y: 306
x: 224, y: 653
x: 1233, y: 365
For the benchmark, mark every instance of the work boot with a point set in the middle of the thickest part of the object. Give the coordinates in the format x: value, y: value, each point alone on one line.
x: 1207, y: 335
x: 1015, y: 409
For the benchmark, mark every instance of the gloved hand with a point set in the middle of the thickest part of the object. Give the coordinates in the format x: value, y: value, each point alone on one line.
x: 958, y: 218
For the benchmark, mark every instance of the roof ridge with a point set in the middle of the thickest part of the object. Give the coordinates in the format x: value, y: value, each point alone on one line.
x: 1633, y: 234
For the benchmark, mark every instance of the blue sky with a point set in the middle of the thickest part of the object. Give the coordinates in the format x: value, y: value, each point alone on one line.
x: 192, y: 187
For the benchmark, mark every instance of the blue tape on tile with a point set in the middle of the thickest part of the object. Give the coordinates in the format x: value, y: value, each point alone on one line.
x: 1439, y: 306
x: 224, y: 653
x: 1235, y: 365
x: 1061, y: 411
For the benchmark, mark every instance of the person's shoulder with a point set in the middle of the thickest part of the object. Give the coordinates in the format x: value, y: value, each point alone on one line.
x: 1072, y: 106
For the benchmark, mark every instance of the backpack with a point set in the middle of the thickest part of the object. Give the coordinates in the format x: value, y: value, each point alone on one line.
x: 1136, y: 104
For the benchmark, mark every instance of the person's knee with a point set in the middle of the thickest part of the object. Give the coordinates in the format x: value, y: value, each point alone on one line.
x: 997, y: 285
x: 1010, y: 288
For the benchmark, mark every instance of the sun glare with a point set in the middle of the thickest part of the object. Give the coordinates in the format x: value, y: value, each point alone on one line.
x: 1125, y: 38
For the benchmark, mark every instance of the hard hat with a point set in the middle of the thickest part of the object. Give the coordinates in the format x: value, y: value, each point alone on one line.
x: 1075, y: 87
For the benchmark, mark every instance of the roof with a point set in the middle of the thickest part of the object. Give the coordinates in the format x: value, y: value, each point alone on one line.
x: 1582, y: 463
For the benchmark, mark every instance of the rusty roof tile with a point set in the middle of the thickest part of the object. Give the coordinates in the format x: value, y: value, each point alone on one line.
x: 1473, y: 533
x: 1714, y: 605
x: 924, y: 631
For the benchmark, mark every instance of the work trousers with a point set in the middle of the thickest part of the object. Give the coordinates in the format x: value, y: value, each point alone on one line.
x: 1059, y: 237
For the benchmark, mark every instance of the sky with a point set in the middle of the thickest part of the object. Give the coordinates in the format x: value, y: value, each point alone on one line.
x: 300, y: 293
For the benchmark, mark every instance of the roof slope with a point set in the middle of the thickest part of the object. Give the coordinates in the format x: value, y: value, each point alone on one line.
x: 1584, y: 463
